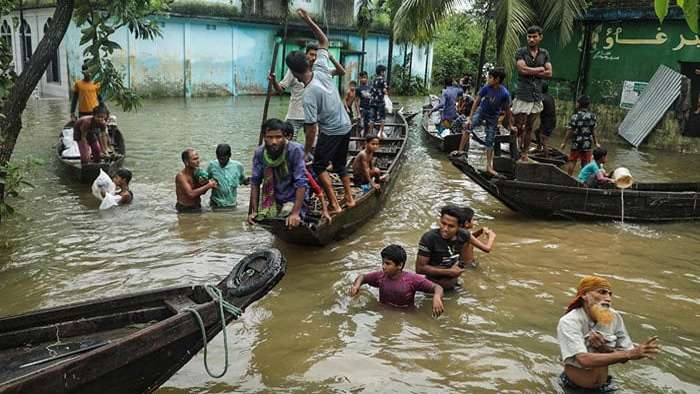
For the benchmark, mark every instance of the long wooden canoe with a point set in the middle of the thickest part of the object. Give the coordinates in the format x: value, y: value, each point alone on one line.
x: 125, y: 344
x: 444, y: 143
x: 545, y: 191
x: 86, y: 173
x: 389, y: 158
x: 553, y: 156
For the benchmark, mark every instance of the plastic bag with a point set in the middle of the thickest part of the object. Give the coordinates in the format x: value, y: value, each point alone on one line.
x: 103, y: 183
x: 110, y: 201
x: 71, y: 151
x: 388, y: 105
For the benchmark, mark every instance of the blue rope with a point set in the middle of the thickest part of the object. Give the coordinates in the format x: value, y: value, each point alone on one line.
x: 216, y: 295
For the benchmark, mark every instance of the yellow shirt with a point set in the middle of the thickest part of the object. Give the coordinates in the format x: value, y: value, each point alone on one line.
x: 87, y: 95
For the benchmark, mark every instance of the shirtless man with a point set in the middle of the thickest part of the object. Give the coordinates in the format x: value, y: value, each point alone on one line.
x: 592, y: 336
x: 363, y: 171
x: 188, y: 186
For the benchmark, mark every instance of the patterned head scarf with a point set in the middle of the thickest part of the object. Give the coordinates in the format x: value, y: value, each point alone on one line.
x: 587, y: 284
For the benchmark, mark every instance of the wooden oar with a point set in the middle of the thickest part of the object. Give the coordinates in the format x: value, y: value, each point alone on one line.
x: 269, y: 87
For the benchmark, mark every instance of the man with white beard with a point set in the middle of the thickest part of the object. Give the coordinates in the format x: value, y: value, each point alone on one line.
x: 593, y: 336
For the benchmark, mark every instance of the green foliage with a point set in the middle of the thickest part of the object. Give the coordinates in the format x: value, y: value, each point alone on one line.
x: 7, y: 73
x: 13, y: 178
x: 203, y: 8
x: 403, y: 84
x: 417, y: 21
x: 456, y: 47
x: 99, y: 20
x: 691, y: 10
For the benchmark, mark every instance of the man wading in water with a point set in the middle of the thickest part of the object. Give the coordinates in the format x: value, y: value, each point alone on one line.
x: 324, y: 115
x: 189, y: 186
x: 533, y: 64
x: 592, y: 336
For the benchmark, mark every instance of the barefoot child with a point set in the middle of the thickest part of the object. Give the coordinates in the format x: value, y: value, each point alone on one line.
x: 352, y: 102
x: 396, y: 287
x: 581, y: 133
x: 363, y: 170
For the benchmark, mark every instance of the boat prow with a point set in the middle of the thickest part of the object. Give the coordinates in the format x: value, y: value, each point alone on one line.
x: 124, y: 344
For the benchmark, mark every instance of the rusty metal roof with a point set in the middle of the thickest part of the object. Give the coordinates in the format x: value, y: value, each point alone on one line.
x: 663, y: 89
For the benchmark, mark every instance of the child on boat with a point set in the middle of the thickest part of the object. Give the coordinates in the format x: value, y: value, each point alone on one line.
x: 581, y: 133
x: 351, y: 101
x: 593, y: 174
x: 396, y: 287
x: 363, y: 171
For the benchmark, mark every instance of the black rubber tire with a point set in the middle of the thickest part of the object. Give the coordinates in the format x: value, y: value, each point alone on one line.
x: 274, y: 271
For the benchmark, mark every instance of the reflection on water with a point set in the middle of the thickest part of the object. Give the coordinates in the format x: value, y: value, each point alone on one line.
x: 498, y: 331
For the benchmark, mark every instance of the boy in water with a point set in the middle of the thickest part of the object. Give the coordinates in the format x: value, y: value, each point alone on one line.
x: 351, y: 102
x: 121, y: 180
x: 469, y: 224
x: 396, y: 287
x: 363, y: 170
x: 581, y: 132
x: 229, y: 174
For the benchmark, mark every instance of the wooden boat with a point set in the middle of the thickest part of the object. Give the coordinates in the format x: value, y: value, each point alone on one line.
x: 314, y: 230
x: 86, y: 173
x: 445, y: 143
x: 545, y: 191
x: 124, y: 344
x: 553, y: 156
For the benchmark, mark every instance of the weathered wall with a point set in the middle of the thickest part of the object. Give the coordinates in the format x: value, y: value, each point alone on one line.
x: 625, y: 50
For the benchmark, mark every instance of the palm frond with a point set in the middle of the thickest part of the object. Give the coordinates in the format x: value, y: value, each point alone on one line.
x: 417, y: 21
x: 561, y: 16
x: 512, y: 20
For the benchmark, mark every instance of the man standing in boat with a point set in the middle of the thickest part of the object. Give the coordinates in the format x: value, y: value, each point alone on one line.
x: 592, y: 336
x: 190, y: 185
x: 534, y: 66
x: 324, y: 115
x: 278, y: 184
x: 295, y: 111
x: 86, y: 95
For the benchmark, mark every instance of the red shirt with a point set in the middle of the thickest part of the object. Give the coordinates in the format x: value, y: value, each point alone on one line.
x: 400, y: 291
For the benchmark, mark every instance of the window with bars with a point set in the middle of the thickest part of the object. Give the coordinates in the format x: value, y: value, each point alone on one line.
x: 53, y: 73
x: 25, y: 36
x: 6, y: 35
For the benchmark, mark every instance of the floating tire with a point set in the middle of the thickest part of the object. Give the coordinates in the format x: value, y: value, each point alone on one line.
x: 258, y: 273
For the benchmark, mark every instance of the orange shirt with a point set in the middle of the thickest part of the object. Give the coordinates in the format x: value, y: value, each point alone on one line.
x: 87, y: 95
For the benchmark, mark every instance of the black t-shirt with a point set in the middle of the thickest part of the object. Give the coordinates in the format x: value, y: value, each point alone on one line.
x: 530, y: 86
x: 441, y: 252
x: 548, y: 116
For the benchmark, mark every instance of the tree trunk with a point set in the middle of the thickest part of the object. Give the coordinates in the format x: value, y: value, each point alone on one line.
x: 362, y: 56
x: 11, y: 123
x: 427, y: 64
x: 482, y: 53
x: 391, y: 55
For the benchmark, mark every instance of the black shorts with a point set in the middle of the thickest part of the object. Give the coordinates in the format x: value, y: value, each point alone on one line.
x: 378, y: 113
x: 331, y: 149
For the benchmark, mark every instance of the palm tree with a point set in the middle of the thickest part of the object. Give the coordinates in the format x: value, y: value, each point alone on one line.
x: 364, y: 21
x: 417, y: 20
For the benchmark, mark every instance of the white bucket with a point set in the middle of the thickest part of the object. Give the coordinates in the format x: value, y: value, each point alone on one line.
x: 622, y: 177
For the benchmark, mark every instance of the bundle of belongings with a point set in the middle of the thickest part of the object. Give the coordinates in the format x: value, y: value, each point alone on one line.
x: 70, y: 146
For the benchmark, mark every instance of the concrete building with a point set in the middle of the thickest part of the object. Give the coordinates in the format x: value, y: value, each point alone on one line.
x: 618, y: 46
x: 212, y: 47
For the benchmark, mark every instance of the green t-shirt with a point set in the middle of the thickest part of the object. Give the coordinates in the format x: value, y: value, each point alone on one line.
x: 586, y: 172
x: 228, y: 178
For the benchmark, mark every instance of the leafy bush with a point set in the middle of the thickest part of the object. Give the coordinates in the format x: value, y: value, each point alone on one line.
x: 403, y: 84
x: 12, y: 182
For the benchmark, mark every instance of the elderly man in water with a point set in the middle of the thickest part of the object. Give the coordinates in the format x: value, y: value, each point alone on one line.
x: 191, y: 183
x: 592, y: 336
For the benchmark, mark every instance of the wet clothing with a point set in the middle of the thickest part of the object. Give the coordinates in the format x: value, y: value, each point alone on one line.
x: 530, y: 86
x: 398, y: 292
x: 583, y: 124
x: 322, y: 102
x: 196, y: 208
x: 295, y: 110
x: 295, y: 174
x: 228, y: 178
x: 331, y: 149
x: 87, y: 92
x: 448, y: 102
x: 442, y: 252
x: 548, y: 116
x: 574, y: 328
x: 608, y: 387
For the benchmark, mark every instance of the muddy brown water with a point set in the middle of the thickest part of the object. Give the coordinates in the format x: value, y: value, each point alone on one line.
x: 497, y: 334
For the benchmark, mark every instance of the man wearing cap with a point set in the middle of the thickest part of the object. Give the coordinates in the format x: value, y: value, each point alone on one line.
x: 592, y: 336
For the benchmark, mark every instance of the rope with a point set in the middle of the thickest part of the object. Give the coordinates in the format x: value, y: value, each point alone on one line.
x: 216, y: 295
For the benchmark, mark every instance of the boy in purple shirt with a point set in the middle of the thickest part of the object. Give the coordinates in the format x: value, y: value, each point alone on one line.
x: 396, y: 287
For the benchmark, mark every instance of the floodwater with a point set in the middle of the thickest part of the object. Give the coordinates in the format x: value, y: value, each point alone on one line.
x: 498, y: 333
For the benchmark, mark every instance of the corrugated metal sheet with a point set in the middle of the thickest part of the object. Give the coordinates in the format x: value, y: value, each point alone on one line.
x: 658, y: 96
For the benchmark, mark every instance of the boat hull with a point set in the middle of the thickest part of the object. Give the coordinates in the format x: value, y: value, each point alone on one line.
x: 86, y: 173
